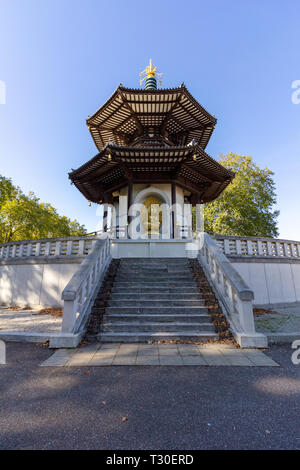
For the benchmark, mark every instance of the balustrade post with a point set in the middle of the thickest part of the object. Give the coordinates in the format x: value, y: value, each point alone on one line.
x: 286, y: 250
x: 238, y: 247
x: 47, y: 249
x: 21, y: 246
x: 245, y: 311
x: 29, y: 249
x: 81, y: 247
x: 37, y: 249
x: 226, y: 246
x: 249, y: 248
x: 259, y: 248
x: 69, y: 316
x: 13, y: 251
x: 269, y: 249
x: 278, y: 249
x: 57, y: 248
x: 69, y: 247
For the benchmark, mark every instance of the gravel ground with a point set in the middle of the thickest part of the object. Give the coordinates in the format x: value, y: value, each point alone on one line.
x: 284, y: 320
x: 28, y: 321
x: 192, y: 407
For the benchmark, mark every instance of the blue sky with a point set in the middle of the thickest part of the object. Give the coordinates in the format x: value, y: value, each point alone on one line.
x: 60, y: 60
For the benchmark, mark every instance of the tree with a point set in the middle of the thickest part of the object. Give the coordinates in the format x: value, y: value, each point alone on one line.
x: 25, y: 217
x: 246, y: 206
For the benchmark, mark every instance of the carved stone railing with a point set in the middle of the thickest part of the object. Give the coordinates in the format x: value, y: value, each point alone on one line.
x: 233, y: 293
x: 80, y: 292
x: 47, y: 247
x: 234, y: 246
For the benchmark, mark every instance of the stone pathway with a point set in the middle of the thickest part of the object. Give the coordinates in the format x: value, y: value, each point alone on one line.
x: 138, y: 354
x: 28, y: 321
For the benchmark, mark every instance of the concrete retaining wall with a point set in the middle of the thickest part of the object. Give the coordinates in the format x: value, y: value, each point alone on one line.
x: 36, y: 283
x: 274, y: 281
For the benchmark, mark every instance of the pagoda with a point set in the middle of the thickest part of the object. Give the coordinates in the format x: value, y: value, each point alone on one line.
x: 151, y: 152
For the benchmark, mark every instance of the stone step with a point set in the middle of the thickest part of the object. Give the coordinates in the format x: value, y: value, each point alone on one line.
x: 155, y: 296
x: 155, y: 303
x: 136, y: 327
x: 155, y: 310
x: 154, y: 300
x: 157, y: 290
x: 156, y: 278
x: 148, y: 261
x: 155, y: 266
x: 153, y: 284
x: 158, y: 270
x: 145, y: 337
x: 188, y: 318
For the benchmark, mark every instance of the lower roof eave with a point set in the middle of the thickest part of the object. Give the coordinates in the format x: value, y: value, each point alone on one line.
x: 203, y: 194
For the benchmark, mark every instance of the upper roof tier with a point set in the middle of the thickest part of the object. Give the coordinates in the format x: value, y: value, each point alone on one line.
x: 131, y: 113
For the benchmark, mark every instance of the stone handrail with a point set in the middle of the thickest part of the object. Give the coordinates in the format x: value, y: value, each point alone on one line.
x: 232, y: 291
x: 256, y: 246
x: 47, y: 247
x: 79, y: 294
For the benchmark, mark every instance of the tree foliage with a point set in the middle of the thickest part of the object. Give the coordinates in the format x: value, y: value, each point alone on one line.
x: 246, y: 206
x: 24, y: 217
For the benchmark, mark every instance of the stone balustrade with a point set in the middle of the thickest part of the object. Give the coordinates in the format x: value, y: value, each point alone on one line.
x: 235, y: 297
x: 79, y: 294
x: 233, y: 246
x: 47, y: 247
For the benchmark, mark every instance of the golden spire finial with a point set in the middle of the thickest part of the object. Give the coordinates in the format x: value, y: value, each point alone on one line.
x: 150, y: 71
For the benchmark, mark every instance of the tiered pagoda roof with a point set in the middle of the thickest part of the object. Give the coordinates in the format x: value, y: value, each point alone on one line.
x: 151, y: 136
x: 131, y: 112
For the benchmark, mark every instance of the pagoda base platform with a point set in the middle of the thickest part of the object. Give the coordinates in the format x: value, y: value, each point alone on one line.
x: 154, y: 248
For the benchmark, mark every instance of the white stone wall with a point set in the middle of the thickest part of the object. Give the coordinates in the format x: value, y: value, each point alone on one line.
x: 35, y: 285
x: 272, y: 282
x: 153, y: 249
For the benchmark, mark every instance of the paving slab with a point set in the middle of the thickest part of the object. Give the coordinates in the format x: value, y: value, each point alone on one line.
x: 124, y: 360
x: 259, y: 358
x: 58, y: 359
x: 101, y: 360
x: 110, y: 345
x: 175, y: 360
x: 188, y: 349
x: 147, y: 361
x: 83, y: 356
x: 165, y: 351
x: 128, y: 349
x: 119, y: 354
x: 193, y: 361
x: 142, y: 351
x: 236, y: 359
x: 214, y: 357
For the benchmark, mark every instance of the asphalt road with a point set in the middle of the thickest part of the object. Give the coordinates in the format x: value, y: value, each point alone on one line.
x: 166, y: 407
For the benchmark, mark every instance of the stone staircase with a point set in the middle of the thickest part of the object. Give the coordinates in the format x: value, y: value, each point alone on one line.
x: 152, y: 300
